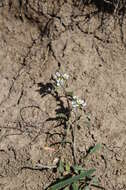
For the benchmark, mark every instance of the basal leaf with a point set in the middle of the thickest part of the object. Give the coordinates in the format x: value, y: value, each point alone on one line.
x: 86, y: 188
x: 94, y: 181
x: 75, y: 186
x: 74, y: 179
x: 67, y: 188
x: 77, y: 169
x: 67, y: 167
x: 61, y: 167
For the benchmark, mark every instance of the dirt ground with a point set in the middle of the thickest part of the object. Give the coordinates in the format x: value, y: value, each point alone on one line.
x: 35, y: 37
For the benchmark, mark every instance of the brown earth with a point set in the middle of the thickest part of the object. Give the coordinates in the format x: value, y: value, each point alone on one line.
x: 36, y: 37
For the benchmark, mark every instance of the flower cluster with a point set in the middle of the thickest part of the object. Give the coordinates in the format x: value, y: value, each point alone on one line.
x: 60, y: 78
x: 78, y: 103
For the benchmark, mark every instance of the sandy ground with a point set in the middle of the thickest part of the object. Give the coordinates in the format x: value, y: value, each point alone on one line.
x: 32, y: 44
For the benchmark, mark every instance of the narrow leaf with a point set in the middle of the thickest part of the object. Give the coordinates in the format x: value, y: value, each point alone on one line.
x: 67, y: 188
x: 95, y: 148
x: 61, y: 167
x: 67, y: 167
x: 77, y: 169
x: 75, y: 186
x: 73, y: 179
x: 69, y: 93
x: 94, y: 181
x: 86, y: 188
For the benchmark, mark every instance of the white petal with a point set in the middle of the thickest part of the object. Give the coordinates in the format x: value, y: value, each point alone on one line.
x: 66, y: 76
x: 61, y: 81
x: 58, y: 74
x: 74, y: 106
x: 58, y: 83
x: 84, y: 104
x: 75, y: 97
x: 81, y: 101
x: 55, y: 77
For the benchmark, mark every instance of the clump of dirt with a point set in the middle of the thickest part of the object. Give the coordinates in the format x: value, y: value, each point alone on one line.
x: 88, y: 43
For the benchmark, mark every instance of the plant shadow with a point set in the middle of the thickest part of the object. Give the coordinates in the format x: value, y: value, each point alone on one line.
x: 45, y: 89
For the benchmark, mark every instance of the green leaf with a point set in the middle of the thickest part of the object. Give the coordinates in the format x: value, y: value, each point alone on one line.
x: 67, y: 188
x: 95, y: 148
x: 94, y: 181
x: 86, y: 188
x: 70, y: 93
x: 75, y: 186
x: 61, y: 167
x: 67, y: 167
x: 74, y: 179
x: 77, y: 169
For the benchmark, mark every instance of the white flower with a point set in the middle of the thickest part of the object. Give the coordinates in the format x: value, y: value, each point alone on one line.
x: 60, y: 78
x: 78, y: 103
x: 75, y: 97
x: 74, y: 104
x: 84, y: 104
x: 58, y: 74
x: 49, y: 89
x: 66, y: 76
x: 60, y: 82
